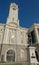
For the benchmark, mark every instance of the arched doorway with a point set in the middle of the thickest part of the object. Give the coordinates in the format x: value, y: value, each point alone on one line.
x: 10, y: 56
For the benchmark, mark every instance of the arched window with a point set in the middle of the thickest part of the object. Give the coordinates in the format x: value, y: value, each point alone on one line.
x: 10, y: 56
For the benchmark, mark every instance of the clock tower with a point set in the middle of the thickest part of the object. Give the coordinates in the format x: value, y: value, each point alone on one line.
x: 13, y: 15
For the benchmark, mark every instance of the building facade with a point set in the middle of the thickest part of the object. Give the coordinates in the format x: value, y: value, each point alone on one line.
x: 18, y: 44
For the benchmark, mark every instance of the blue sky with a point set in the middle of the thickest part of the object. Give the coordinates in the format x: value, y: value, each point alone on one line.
x: 28, y: 11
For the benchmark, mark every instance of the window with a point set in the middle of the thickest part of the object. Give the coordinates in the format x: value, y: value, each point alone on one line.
x: 29, y: 38
x: 13, y: 19
x: 0, y: 37
x: 37, y: 56
x: 38, y: 30
x: 33, y: 37
x: 22, y: 37
x: 21, y: 40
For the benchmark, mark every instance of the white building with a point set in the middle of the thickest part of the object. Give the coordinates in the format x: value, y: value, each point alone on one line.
x: 18, y: 44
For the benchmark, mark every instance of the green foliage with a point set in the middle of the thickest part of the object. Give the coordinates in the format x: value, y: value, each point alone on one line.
x: 10, y: 63
x: 17, y: 64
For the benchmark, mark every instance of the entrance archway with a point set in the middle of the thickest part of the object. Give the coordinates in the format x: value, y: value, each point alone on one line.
x: 10, y: 55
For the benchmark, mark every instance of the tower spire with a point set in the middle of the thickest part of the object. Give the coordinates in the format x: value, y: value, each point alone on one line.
x: 13, y: 15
